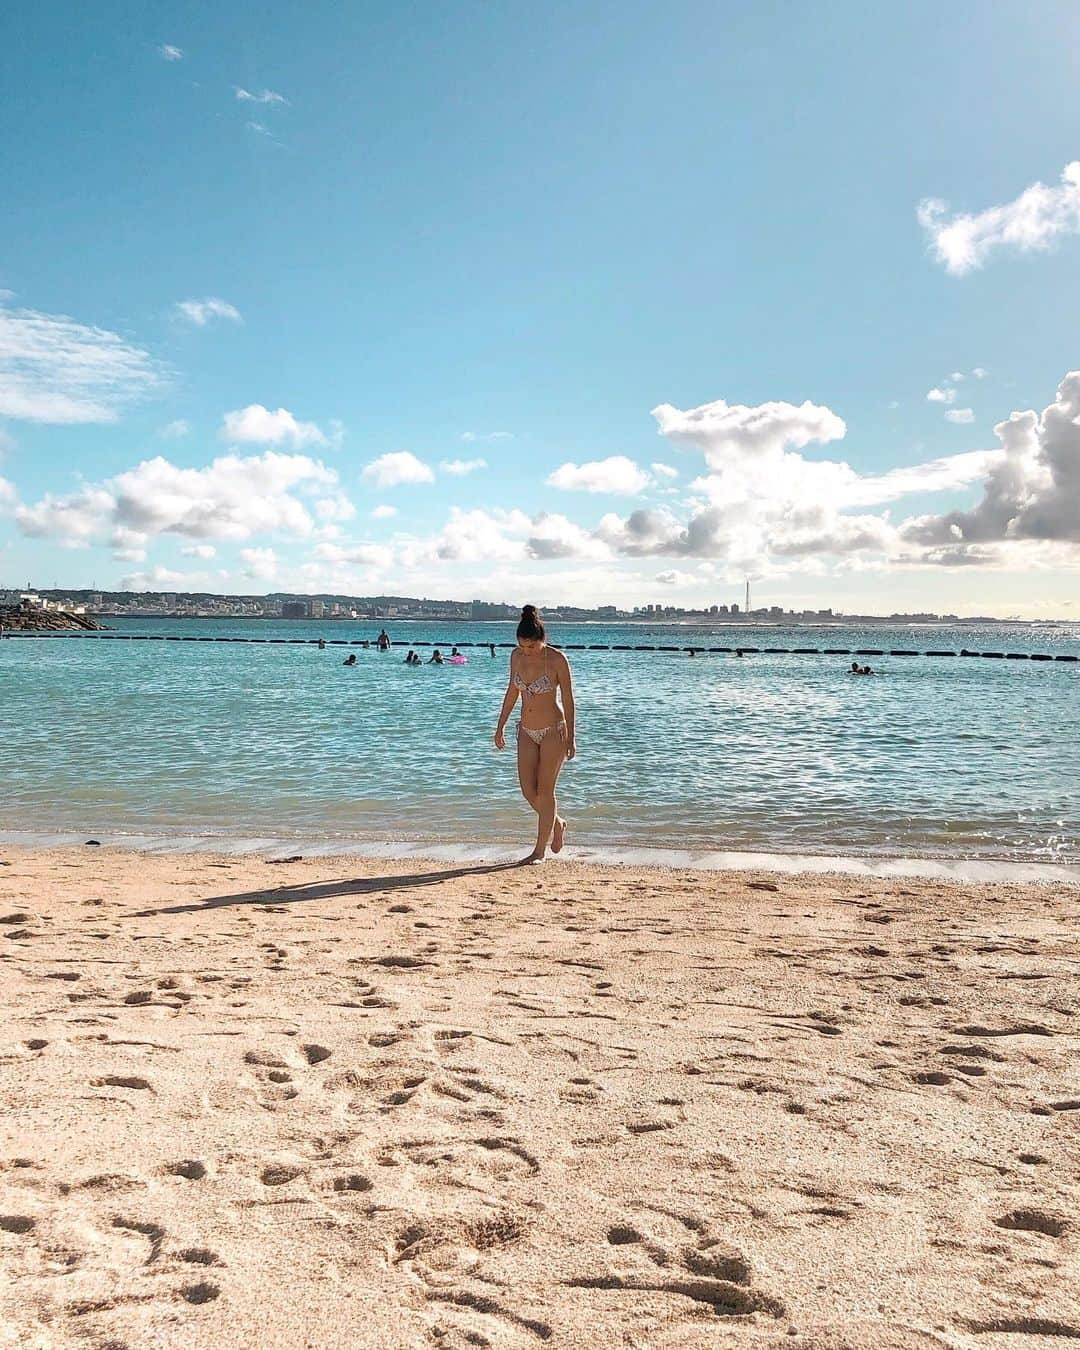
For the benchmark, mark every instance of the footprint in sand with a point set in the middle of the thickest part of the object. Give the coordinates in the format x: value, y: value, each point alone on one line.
x: 705, y: 1273
x: 199, y: 1256
x: 17, y: 1223
x: 1033, y: 1221
x: 188, y: 1168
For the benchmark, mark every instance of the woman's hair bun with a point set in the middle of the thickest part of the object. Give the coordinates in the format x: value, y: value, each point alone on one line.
x: 530, y: 625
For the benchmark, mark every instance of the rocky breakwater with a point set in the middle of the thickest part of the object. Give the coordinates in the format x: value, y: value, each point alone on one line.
x: 22, y: 619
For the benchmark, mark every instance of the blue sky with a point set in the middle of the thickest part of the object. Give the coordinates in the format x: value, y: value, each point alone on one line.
x: 251, y: 252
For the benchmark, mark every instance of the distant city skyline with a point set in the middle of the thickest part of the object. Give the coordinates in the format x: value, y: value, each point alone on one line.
x: 501, y: 298
x: 331, y: 605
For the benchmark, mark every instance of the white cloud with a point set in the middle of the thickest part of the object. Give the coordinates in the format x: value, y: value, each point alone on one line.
x: 664, y: 470
x: 554, y: 536
x: 172, y: 431
x: 364, y: 555
x: 268, y: 96
x: 230, y: 498
x: 398, y: 467
x: 383, y: 512
x: 980, y: 373
x: 259, y: 127
x: 469, y: 436
x: 936, y: 475
x: 616, y: 474
x: 1032, y: 492
x: 1033, y: 221
x: 260, y: 564
x: 460, y: 467
x: 55, y: 370
x: 726, y: 431
x: 956, y: 377
x: 472, y: 536
x: 256, y: 425
x: 162, y: 579
x: 673, y: 577
x: 168, y: 52
x: 941, y: 395
x: 337, y: 507
x: 963, y: 416
x: 8, y: 495
x: 200, y: 312
x: 199, y: 551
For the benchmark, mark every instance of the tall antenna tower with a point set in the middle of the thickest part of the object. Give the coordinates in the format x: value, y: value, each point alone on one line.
x: 748, y: 595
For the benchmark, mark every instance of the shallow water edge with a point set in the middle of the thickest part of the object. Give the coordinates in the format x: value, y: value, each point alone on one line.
x: 273, y: 849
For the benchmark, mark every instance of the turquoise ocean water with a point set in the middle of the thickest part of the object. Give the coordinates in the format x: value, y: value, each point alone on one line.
x: 938, y: 757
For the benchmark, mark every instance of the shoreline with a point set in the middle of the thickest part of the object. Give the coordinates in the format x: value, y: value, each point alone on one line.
x: 277, y: 847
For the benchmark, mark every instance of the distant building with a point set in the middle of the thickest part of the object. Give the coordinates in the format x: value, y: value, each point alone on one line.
x: 296, y: 609
x: 315, y: 608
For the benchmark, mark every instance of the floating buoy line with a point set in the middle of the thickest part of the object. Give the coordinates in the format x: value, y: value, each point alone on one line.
x: 566, y: 646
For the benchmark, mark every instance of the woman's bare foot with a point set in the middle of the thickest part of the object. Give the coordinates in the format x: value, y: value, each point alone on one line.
x: 533, y: 857
x: 558, y: 834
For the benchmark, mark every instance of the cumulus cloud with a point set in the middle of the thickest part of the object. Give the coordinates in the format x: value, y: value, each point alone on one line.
x: 268, y: 97
x: 1034, y: 221
x: 168, y: 52
x: 1031, y: 493
x: 200, y: 312
x: 56, y: 370
x: 664, y: 470
x: 256, y: 425
x: 230, y: 498
x: 674, y: 577
x: 461, y: 467
x: 616, y: 474
x: 172, y: 431
x: 398, y: 467
x: 726, y: 431
x: 472, y: 536
x: 199, y: 551
x: 980, y: 373
x: 469, y: 436
x: 8, y: 495
x: 383, y: 512
x: 962, y: 416
x: 937, y: 395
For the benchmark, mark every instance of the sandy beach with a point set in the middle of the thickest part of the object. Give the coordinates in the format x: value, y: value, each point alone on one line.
x: 342, y: 1103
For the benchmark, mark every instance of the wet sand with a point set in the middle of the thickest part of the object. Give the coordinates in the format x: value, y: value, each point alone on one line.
x: 363, y: 1103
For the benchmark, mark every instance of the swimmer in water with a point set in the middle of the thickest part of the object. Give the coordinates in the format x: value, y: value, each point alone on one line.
x: 350, y: 660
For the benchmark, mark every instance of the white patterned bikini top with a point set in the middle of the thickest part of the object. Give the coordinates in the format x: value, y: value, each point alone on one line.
x: 542, y: 685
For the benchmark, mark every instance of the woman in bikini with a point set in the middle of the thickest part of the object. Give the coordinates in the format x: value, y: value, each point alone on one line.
x: 545, y: 738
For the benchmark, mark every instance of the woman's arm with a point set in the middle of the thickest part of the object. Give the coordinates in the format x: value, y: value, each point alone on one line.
x: 509, y: 699
x: 566, y: 684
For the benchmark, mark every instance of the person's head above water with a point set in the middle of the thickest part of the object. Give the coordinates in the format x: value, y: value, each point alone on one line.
x: 855, y: 668
x: 531, y: 633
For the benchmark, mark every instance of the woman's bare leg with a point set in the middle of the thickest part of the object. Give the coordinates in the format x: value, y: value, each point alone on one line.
x: 528, y: 762
x: 552, y: 758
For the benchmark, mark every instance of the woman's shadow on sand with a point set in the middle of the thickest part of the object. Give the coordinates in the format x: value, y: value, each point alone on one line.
x: 329, y: 890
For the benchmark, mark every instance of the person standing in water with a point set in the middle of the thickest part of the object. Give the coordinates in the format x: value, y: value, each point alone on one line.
x: 539, y: 675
